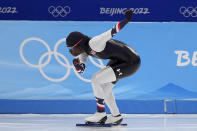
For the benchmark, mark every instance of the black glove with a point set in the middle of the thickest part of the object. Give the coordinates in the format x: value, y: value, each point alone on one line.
x: 80, y: 67
x: 128, y: 14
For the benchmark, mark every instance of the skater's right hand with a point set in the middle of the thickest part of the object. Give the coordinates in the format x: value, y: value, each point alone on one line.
x: 80, y: 67
x: 76, y: 61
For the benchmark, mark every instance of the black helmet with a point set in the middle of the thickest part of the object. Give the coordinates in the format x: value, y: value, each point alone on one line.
x: 76, y: 39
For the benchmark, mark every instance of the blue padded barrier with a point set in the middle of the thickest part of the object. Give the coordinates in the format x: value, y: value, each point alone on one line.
x: 8, y: 106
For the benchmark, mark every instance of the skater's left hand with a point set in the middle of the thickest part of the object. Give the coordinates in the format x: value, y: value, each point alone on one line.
x: 128, y: 14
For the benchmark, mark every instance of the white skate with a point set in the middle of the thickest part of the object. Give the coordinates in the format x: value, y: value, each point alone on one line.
x: 114, y: 119
x: 98, y: 117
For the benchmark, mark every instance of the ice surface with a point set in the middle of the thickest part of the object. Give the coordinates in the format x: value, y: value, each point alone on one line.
x: 67, y: 122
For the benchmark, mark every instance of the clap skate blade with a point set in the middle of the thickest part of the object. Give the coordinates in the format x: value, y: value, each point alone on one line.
x: 117, y: 122
x: 102, y: 124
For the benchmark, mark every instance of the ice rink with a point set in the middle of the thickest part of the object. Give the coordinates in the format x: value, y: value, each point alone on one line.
x: 67, y: 122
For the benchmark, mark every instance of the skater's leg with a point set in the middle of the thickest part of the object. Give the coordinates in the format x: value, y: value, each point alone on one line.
x: 100, y: 116
x: 115, y: 116
x: 100, y: 105
x: 103, y: 76
x: 102, y: 87
x: 110, y: 99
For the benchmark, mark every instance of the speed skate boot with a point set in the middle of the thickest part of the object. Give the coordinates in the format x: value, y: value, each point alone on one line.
x: 114, y: 119
x: 98, y: 117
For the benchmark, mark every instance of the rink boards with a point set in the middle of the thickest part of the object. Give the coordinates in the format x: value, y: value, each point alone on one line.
x: 8, y: 106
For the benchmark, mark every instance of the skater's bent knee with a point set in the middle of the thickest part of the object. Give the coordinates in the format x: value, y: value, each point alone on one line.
x: 95, y: 79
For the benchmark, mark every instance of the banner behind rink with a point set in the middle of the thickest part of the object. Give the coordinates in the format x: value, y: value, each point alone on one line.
x: 35, y: 63
x: 99, y: 10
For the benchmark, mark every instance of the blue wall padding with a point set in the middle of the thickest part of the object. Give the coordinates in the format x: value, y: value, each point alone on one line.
x: 170, y: 106
x: 141, y: 106
x: 8, y: 106
x: 186, y: 106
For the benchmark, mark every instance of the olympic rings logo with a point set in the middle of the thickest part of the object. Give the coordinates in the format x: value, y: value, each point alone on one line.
x: 65, y: 64
x: 59, y: 11
x: 187, y: 12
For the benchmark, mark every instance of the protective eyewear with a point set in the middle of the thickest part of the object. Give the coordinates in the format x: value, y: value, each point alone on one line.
x: 72, y: 47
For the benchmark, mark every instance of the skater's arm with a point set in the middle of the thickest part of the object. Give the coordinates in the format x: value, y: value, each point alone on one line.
x: 83, y: 57
x: 80, y: 62
x: 98, y: 43
x: 121, y: 24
